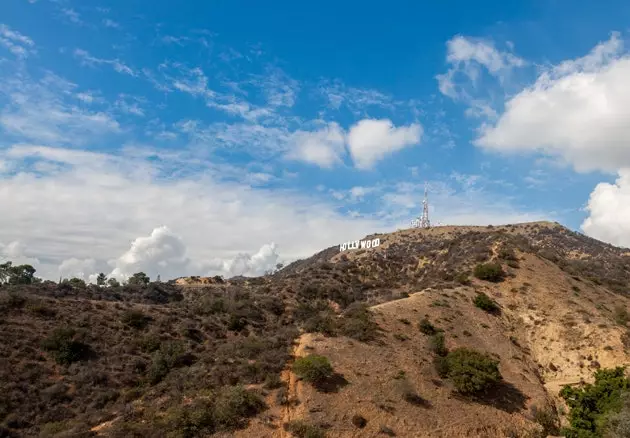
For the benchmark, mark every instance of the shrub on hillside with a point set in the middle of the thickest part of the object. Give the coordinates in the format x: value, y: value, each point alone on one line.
x: 489, y: 272
x: 313, y: 368
x: 484, y: 302
x: 437, y: 344
x: 234, y: 404
x: 593, y: 406
x: 621, y: 315
x: 301, y: 429
x: 166, y: 358
x: 358, y: 323
x: 426, y: 327
x: 135, y: 319
x: 472, y: 371
x: 63, y: 346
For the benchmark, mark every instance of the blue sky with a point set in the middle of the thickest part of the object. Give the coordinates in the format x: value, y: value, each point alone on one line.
x: 224, y: 137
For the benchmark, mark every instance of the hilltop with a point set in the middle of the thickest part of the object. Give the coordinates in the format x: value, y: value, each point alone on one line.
x: 203, y: 357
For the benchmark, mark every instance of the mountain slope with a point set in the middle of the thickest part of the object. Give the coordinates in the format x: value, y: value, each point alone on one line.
x: 186, y: 358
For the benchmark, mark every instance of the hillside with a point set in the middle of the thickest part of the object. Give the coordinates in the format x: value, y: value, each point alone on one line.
x: 204, y: 357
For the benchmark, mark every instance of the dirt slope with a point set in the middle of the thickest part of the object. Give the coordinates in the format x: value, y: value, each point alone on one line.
x: 554, y: 329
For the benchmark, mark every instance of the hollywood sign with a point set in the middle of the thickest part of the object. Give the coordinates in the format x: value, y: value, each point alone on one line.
x: 360, y: 244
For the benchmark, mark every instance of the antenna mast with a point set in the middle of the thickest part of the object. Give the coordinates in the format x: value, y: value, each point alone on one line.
x: 424, y: 220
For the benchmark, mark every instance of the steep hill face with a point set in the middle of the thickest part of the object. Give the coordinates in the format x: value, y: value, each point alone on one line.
x: 214, y: 359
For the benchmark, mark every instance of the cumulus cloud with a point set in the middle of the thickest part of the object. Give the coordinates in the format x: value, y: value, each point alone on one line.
x: 17, y: 253
x: 609, y: 211
x: 371, y: 140
x: 264, y: 260
x: 16, y: 43
x: 88, y: 205
x: 578, y: 111
x: 76, y: 268
x: 323, y: 148
x: 163, y: 252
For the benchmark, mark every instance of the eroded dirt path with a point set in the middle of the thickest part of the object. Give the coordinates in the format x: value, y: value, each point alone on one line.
x: 293, y: 409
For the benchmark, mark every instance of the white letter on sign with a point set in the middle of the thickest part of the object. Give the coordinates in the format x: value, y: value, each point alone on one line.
x: 362, y: 244
x: 376, y: 242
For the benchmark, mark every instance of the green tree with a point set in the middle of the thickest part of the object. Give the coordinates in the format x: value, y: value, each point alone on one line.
x: 593, y: 404
x: 101, y: 280
x: 112, y: 282
x: 75, y: 282
x: 21, y: 274
x: 5, y: 271
x: 140, y: 279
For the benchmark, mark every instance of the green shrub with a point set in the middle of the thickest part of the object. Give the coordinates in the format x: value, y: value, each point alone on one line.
x: 323, y: 322
x: 621, y: 315
x: 593, y: 406
x: 63, y: 346
x: 150, y: 343
x: 167, y: 358
x: 301, y: 429
x: 484, y: 302
x: 437, y: 344
x: 358, y: 323
x: 234, y: 404
x: 489, y: 272
x: 472, y: 371
x: 441, y: 366
x: 135, y: 319
x: 463, y: 278
x: 426, y: 327
x: 313, y: 368
x: 617, y: 425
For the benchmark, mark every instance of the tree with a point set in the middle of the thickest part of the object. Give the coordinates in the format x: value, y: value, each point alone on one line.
x: 101, y: 280
x: 5, y: 271
x: 21, y: 274
x: 140, y: 279
x: 75, y: 282
x: 112, y: 282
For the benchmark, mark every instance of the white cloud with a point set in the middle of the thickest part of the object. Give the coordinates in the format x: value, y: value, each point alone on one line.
x: 130, y: 105
x: 75, y: 268
x: 355, y: 99
x: 609, y: 211
x: 91, y: 204
x: 324, y: 147
x: 18, y: 44
x: 110, y: 23
x: 17, y: 253
x: 578, y: 111
x: 116, y: 64
x: 467, y: 56
x: 37, y: 111
x: 163, y: 252
x: 264, y: 260
x: 372, y: 140
x: 72, y: 15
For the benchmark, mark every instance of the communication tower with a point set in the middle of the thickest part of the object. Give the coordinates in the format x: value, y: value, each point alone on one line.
x: 424, y: 221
